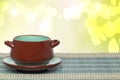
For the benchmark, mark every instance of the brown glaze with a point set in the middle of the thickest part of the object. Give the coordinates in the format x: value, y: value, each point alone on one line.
x: 30, y: 52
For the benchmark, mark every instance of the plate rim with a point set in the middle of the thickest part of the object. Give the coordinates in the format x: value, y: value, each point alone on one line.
x: 31, y: 68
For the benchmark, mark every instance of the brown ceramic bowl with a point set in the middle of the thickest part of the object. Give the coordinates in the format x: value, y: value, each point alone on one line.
x: 31, y: 48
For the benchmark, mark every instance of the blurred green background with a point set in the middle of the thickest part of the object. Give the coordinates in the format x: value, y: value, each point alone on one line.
x: 81, y: 25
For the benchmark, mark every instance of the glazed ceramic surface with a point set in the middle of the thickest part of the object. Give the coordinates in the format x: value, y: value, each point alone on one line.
x: 32, y: 67
x: 31, y: 48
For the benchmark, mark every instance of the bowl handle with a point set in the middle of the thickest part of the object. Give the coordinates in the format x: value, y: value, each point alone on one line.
x: 54, y: 43
x: 9, y: 43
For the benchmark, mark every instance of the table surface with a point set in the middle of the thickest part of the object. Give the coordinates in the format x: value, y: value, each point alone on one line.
x: 74, y: 66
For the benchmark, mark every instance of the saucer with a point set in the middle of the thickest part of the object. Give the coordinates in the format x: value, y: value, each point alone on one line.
x: 32, y: 67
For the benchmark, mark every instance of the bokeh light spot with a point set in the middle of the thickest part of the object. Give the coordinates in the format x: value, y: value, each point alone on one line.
x: 114, y: 2
x: 104, y: 11
x: 96, y: 40
x: 73, y: 12
x: 113, y: 46
x: 109, y: 29
x: 30, y: 16
x: 14, y: 12
x: 116, y: 25
x: 45, y: 25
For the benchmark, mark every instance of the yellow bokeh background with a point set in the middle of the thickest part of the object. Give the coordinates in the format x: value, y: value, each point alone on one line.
x: 82, y: 26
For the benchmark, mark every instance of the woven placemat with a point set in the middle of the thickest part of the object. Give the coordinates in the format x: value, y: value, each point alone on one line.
x: 74, y: 66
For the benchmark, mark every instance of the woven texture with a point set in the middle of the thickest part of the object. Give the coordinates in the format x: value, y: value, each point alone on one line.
x: 76, y: 66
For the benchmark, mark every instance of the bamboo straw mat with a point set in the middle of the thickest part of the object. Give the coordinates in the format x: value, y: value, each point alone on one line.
x: 74, y: 66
